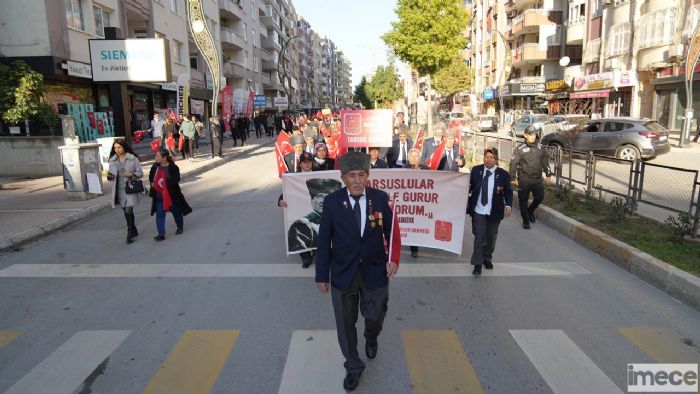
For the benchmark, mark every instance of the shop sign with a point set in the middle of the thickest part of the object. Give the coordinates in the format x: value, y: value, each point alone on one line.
x: 531, y: 87
x: 77, y: 69
x: 594, y: 81
x: 169, y: 86
x: 135, y: 60
x: 625, y: 78
x: 504, y: 90
x: 259, y: 100
x: 556, y: 85
x: 281, y: 102
x: 593, y: 94
x: 488, y: 94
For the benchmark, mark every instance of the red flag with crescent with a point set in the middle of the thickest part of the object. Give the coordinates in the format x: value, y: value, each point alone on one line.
x: 419, y: 140
x: 282, y: 147
x: 434, y: 161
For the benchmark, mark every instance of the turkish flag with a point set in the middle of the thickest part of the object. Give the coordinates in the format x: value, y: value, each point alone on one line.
x: 282, y: 147
x: 395, y: 239
x: 434, y: 161
x: 419, y: 140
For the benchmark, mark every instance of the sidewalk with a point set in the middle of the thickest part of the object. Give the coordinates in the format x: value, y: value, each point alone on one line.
x: 33, y: 208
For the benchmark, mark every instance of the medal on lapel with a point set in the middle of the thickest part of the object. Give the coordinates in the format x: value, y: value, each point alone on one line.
x: 381, y: 222
x: 345, y: 204
x: 372, y: 218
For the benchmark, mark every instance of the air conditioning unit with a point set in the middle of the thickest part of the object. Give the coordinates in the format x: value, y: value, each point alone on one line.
x: 675, y: 53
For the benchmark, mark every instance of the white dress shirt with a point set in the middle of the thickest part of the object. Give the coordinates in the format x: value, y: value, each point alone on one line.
x: 402, y: 160
x: 363, y: 210
x: 486, y: 209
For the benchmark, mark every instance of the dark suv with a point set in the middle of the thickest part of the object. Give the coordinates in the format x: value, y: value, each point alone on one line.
x: 625, y: 138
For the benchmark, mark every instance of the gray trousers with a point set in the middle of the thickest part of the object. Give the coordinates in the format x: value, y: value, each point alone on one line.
x: 372, y: 303
x: 485, y: 235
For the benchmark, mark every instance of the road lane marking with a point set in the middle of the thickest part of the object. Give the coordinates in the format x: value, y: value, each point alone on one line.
x: 662, y: 344
x: 438, y: 364
x: 194, y: 364
x: 6, y: 337
x: 64, y: 370
x: 565, y: 367
x: 314, y: 364
x: 271, y: 270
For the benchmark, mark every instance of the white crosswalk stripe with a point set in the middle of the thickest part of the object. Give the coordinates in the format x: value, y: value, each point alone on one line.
x: 69, y: 365
x: 407, y: 270
x: 314, y: 364
x: 565, y: 367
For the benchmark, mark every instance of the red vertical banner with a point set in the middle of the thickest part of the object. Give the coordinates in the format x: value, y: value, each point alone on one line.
x: 249, y: 108
x: 226, y: 100
x: 282, y: 147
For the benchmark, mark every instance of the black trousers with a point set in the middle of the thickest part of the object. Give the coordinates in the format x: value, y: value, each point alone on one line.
x: 526, y: 187
x: 216, y: 146
x: 485, y: 235
x: 373, y: 303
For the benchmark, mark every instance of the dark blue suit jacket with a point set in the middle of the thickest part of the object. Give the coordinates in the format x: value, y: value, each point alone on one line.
x: 502, y: 193
x: 341, y: 251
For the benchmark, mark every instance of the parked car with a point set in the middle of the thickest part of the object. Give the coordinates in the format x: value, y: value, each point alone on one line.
x: 563, y: 123
x: 486, y: 123
x: 525, y: 121
x: 625, y: 138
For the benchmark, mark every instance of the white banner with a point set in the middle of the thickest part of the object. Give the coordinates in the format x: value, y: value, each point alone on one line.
x: 137, y: 60
x: 430, y: 206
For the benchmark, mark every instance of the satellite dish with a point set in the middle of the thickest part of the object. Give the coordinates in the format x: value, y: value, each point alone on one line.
x: 564, y: 61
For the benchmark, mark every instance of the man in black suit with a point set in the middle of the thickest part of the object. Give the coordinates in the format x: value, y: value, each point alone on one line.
x: 451, y: 159
x: 375, y: 161
x: 397, y: 156
x: 355, y: 224
x: 292, y: 159
x: 490, y: 196
x: 431, y: 143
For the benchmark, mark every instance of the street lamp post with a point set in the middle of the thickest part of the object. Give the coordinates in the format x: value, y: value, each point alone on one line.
x: 504, y: 73
x: 206, y: 45
x: 282, y: 72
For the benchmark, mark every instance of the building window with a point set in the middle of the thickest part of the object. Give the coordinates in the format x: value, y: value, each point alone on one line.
x: 656, y: 29
x: 255, y: 63
x: 245, y: 59
x: 74, y: 14
x: 255, y: 41
x: 173, y: 6
x: 193, y: 62
x: 577, y: 12
x: 177, y: 51
x: 245, y: 32
x: 618, y: 43
x: 102, y: 20
x: 692, y: 21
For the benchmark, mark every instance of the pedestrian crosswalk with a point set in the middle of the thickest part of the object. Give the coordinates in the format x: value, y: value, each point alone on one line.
x: 436, y: 361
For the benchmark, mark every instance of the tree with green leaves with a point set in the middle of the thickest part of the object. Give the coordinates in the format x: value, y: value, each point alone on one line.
x: 385, y: 87
x: 428, y: 35
x: 360, y: 95
x: 454, y: 78
x: 21, y: 89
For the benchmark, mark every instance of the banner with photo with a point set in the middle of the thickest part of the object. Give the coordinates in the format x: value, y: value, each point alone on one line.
x: 430, y: 206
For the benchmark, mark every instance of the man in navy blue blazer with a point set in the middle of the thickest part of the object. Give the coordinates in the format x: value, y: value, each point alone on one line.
x: 490, y: 198
x: 352, y: 262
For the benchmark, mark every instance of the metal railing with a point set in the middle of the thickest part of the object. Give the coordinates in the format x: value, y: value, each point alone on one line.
x: 673, y: 189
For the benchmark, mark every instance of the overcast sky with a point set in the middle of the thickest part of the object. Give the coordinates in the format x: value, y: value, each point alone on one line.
x: 354, y: 27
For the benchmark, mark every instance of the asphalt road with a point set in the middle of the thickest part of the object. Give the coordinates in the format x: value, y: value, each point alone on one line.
x: 221, y: 309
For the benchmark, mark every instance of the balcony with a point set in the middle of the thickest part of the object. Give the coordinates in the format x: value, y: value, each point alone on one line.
x: 530, y: 21
x: 591, y: 54
x: 234, y: 70
x: 231, y: 40
x: 576, y: 31
x: 262, y: 29
x: 520, y: 4
x: 265, y: 55
x: 270, y: 64
x: 231, y: 9
x: 271, y: 44
x: 266, y: 79
x: 196, y: 78
x: 529, y: 54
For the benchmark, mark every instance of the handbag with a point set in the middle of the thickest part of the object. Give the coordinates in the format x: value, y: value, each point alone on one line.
x: 134, y: 186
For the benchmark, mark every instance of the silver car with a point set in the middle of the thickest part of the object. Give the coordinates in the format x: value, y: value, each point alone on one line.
x: 625, y: 138
x: 525, y: 121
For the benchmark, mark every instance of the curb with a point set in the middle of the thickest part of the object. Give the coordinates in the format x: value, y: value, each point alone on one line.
x: 32, y: 234
x: 679, y: 284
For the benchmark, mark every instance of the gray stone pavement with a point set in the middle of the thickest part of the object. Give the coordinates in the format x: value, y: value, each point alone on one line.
x: 32, y: 208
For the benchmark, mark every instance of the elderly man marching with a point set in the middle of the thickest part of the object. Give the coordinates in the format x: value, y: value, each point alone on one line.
x: 355, y: 224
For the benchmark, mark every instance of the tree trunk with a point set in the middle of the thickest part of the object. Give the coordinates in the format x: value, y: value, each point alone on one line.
x: 430, y: 106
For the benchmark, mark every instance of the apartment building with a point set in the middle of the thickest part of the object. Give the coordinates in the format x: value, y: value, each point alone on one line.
x: 343, y: 83
x: 597, y: 57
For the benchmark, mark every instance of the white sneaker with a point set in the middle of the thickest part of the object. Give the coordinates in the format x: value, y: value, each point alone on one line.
x: 191, y: 159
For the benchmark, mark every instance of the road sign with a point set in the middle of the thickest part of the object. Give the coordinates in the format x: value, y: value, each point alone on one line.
x: 259, y: 100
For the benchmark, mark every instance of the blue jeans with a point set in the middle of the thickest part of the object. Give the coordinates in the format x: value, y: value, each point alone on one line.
x: 160, y: 216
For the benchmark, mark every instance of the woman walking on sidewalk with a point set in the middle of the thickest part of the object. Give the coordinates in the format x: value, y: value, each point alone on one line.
x: 166, y: 194
x: 123, y: 164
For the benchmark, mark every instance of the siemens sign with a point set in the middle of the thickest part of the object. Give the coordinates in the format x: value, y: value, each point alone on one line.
x: 134, y: 60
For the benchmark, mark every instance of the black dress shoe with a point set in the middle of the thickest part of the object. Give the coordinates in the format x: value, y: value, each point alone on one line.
x: 477, y: 270
x: 526, y: 225
x: 159, y: 238
x: 371, y: 350
x: 488, y: 265
x: 531, y: 215
x: 414, y: 253
x: 351, y: 381
x: 179, y: 231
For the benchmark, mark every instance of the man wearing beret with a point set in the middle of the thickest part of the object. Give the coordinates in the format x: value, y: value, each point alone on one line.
x: 352, y: 262
x: 292, y: 159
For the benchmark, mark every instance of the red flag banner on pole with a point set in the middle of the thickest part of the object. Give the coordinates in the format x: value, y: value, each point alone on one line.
x: 434, y: 161
x: 395, y: 239
x: 418, y: 145
x: 282, y: 147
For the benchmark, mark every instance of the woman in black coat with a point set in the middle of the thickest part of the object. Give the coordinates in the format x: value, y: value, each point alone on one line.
x: 322, y: 162
x: 165, y: 193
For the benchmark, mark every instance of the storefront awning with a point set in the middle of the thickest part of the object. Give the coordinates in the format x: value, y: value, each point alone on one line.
x: 591, y: 94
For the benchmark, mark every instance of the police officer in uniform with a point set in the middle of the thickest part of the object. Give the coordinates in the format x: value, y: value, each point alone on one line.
x: 529, y: 161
